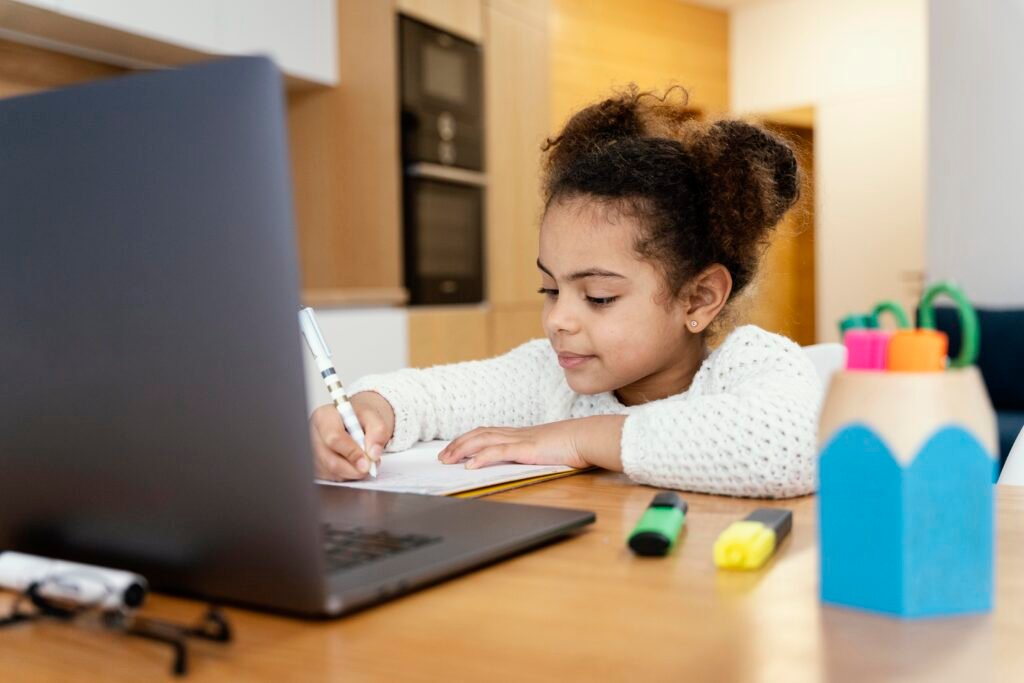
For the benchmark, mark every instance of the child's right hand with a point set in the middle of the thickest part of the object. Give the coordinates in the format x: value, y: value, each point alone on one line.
x: 336, y: 455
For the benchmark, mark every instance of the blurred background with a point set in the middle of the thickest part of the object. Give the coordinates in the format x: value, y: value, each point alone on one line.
x: 416, y: 125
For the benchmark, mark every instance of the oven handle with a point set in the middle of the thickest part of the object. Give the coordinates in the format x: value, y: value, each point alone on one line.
x: 439, y: 172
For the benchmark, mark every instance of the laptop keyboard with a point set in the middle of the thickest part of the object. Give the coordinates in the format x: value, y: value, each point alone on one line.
x: 347, y: 548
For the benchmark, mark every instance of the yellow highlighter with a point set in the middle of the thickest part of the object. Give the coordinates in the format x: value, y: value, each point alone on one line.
x: 748, y: 543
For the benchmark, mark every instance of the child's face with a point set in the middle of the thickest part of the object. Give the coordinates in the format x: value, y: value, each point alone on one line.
x: 605, y: 309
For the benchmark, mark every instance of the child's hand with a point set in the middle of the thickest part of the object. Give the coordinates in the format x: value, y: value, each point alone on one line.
x: 336, y: 455
x: 549, y: 444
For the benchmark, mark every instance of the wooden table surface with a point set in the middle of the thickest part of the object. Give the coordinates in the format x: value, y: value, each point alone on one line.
x: 584, y: 609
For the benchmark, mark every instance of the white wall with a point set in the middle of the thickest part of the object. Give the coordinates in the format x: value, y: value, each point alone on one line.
x: 362, y: 341
x: 976, y: 148
x: 861, y: 65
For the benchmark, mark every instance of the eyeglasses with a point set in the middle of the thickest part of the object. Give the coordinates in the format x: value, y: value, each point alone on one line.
x: 36, y: 602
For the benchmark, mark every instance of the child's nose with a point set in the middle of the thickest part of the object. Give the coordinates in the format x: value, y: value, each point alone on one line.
x: 562, y: 317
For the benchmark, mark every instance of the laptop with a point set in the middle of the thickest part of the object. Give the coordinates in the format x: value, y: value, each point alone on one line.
x: 152, y: 405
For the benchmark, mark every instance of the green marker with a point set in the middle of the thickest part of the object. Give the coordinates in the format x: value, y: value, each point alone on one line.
x: 656, y: 532
x: 857, y: 321
x: 969, y: 340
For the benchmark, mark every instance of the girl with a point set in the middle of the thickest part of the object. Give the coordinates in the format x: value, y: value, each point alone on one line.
x: 653, y: 223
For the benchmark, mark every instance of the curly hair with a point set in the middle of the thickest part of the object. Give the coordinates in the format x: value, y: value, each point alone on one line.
x: 703, y: 192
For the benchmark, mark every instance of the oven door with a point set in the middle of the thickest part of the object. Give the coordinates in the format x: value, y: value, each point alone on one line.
x: 443, y: 235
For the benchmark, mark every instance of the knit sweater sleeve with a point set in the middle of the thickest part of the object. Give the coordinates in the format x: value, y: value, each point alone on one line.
x: 445, y: 401
x: 748, y: 429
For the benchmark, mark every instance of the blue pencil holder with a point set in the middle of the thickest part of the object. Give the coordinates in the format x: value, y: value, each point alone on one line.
x: 906, y: 467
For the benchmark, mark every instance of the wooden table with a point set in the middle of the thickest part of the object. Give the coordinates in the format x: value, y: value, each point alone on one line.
x: 585, y: 609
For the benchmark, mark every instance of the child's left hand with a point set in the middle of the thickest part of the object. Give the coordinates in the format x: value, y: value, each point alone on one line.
x: 568, y: 442
x: 548, y: 444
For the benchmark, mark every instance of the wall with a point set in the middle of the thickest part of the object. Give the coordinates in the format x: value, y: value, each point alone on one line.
x: 975, y: 147
x: 345, y: 161
x: 600, y: 44
x: 861, y: 65
x: 518, y: 104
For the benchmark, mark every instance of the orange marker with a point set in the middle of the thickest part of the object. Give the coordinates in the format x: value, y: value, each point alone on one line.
x: 917, y: 351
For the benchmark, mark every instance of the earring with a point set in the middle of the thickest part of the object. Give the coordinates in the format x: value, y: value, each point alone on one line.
x: 693, y: 323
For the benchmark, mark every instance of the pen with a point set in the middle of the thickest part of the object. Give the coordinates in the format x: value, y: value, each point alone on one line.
x: 322, y: 356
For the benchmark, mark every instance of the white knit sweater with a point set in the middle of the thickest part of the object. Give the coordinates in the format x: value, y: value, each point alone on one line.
x: 745, y: 427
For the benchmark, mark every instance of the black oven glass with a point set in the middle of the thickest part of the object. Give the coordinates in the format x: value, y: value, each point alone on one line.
x: 444, y: 250
x: 443, y: 74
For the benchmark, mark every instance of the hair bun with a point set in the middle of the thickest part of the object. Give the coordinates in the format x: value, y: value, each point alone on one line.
x: 738, y: 147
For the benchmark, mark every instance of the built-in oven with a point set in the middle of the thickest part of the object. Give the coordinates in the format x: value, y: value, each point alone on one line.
x: 443, y: 182
x: 443, y: 215
x: 442, y: 97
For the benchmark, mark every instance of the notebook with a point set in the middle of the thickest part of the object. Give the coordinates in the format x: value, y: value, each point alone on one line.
x: 417, y: 470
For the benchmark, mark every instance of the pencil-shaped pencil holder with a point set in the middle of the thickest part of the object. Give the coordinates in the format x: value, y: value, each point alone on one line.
x: 906, y: 465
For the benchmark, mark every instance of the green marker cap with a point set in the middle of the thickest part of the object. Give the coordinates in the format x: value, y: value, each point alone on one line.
x: 857, y: 321
x: 656, y: 533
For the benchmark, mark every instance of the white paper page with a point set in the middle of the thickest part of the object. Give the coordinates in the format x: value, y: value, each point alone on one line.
x: 418, y: 470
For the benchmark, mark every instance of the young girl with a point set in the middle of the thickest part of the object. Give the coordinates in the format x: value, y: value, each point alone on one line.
x: 653, y: 223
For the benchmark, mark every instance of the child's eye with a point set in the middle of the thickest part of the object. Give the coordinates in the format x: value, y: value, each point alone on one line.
x: 592, y: 300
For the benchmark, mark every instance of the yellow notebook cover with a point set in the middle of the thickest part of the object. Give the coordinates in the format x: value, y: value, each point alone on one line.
x: 519, y: 483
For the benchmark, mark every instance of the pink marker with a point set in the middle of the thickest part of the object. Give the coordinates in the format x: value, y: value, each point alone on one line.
x: 866, y: 349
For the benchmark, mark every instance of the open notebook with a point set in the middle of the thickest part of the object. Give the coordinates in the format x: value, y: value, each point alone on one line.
x: 418, y: 470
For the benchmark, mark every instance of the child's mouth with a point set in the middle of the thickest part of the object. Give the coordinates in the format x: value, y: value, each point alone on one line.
x: 572, y: 360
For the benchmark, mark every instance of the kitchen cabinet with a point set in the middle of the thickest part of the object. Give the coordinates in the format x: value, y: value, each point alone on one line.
x: 300, y: 36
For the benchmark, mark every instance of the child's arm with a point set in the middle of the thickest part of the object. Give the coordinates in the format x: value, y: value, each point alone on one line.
x: 754, y: 434
x: 445, y: 401
x: 748, y: 429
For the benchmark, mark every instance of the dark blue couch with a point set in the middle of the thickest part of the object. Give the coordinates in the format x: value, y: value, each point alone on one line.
x: 1001, y: 362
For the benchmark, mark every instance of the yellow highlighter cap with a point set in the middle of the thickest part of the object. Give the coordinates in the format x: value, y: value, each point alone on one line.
x: 744, y: 545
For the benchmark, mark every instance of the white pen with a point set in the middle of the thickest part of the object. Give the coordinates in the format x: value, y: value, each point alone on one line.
x: 322, y: 356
